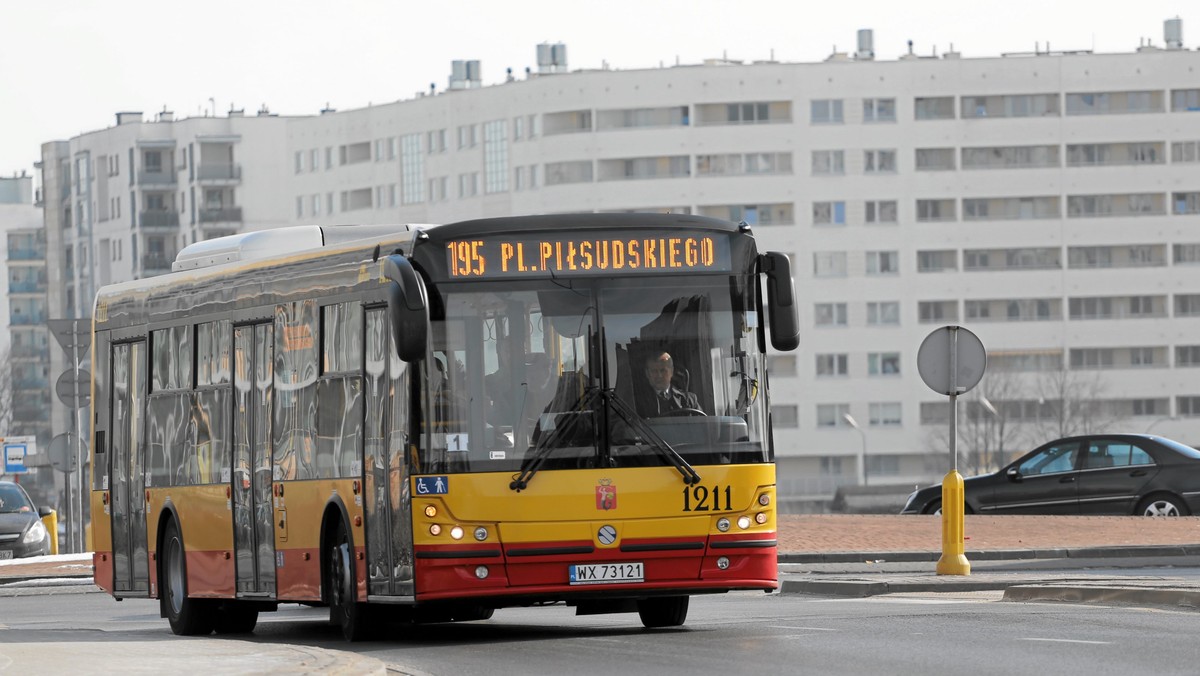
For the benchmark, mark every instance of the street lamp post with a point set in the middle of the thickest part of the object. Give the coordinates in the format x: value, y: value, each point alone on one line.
x: 862, y: 458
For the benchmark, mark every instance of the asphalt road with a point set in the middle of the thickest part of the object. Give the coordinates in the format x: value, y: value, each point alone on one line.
x: 750, y: 633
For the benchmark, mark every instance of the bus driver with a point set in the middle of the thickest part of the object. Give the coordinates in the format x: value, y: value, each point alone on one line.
x: 667, y: 398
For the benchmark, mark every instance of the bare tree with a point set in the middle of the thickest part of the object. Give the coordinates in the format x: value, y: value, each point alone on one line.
x: 1070, y: 402
x: 988, y: 429
x: 6, y: 392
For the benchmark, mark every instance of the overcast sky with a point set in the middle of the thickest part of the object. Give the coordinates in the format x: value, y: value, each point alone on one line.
x: 67, y: 66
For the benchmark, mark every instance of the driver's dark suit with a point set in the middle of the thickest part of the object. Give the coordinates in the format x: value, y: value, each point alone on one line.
x: 673, y: 399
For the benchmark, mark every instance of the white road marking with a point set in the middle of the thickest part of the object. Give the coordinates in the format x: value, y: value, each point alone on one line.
x: 781, y: 626
x: 1066, y: 640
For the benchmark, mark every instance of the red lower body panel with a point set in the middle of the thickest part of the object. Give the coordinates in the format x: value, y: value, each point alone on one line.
x: 688, y: 566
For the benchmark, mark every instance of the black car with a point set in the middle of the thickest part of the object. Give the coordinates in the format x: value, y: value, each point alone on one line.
x: 1094, y: 474
x: 21, y: 531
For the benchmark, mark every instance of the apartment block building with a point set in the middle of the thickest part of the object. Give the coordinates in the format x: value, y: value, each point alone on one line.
x: 24, y: 347
x: 1050, y: 202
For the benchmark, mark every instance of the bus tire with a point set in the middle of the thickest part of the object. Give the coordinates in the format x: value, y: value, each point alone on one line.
x: 663, y: 611
x: 187, y: 616
x: 234, y: 617
x: 344, y: 611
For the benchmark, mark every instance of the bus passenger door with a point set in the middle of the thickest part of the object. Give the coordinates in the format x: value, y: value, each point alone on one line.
x: 253, y: 531
x: 388, y: 504
x: 131, y: 567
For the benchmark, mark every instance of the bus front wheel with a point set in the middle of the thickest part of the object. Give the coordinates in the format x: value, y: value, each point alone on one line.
x: 188, y: 616
x: 663, y: 611
x: 344, y: 610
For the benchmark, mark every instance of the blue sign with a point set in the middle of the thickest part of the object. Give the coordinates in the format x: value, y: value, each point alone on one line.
x: 14, y: 458
x: 433, y: 485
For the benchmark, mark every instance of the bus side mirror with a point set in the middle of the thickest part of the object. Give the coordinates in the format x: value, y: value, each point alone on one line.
x: 408, y: 308
x: 782, y: 316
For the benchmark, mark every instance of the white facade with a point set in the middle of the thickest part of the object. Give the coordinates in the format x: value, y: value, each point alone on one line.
x: 1050, y: 203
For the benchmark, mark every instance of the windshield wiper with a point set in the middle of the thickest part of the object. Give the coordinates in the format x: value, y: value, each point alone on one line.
x: 588, y: 401
x: 548, y: 443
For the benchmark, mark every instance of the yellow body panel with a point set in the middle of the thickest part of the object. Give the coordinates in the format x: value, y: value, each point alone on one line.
x: 564, y: 506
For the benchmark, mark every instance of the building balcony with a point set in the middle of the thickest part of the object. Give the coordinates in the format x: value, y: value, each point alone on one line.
x: 158, y: 219
x: 23, y: 254
x: 156, y: 178
x: 31, y: 413
x: 219, y: 173
x: 23, y: 319
x: 156, y: 264
x: 227, y: 215
x: 33, y: 352
x: 26, y: 286
x: 30, y: 384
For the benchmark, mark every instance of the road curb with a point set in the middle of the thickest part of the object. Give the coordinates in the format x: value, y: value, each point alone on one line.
x: 994, y: 554
x: 1188, y: 599
x: 864, y: 588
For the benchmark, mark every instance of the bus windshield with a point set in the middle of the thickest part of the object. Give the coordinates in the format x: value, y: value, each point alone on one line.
x: 595, y: 373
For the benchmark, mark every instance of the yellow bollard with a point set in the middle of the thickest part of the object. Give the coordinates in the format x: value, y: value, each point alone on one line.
x: 953, y: 561
x: 50, y: 521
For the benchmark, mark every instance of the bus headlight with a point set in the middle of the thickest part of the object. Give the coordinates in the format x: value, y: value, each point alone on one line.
x: 760, y: 518
x: 722, y: 524
x: 435, y: 529
x: 456, y: 532
x: 481, y: 572
x: 723, y: 563
x: 743, y: 522
x: 481, y: 534
x: 430, y: 511
x: 764, y: 499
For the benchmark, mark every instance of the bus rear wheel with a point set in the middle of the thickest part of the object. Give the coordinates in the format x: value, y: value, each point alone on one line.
x: 663, y: 611
x: 187, y: 616
x: 344, y: 610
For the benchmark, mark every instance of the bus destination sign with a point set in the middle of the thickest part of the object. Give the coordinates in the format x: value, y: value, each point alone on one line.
x: 493, y: 257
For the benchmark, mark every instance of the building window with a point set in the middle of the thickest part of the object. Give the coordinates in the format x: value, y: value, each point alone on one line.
x: 935, y: 210
x: 827, y: 111
x: 935, y: 159
x: 1187, y: 356
x: 879, y: 161
x: 934, y: 108
x: 1187, y: 254
x: 881, y: 212
x: 884, y: 414
x: 829, y: 264
x: 883, y: 364
x: 828, y: 162
x: 832, y: 415
x: 883, y: 314
x: 781, y: 365
x: 412, y: 170
x: 879, y: 110
x: 883, y: 262
x: 495, y: 157
x: 937, y: 311
x: 1018, y: 105
x: 1010, y: 157
x: 829, y: 314
x: 829, y: 213
x: 832, y: 365
x: 786, y: 416
x: 937, y: 261
x: 1187, y: 406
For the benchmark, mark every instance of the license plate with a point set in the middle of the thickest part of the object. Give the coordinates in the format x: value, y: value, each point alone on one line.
x: 6, y: 554
x: 606, y: 573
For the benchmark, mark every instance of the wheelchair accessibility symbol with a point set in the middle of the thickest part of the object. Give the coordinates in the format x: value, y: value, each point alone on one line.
x: 433, y: 485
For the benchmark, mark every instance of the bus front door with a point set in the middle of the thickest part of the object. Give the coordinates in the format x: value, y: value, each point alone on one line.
x: 388, y: 504
x: 253, y: 531
x: 131, y: 564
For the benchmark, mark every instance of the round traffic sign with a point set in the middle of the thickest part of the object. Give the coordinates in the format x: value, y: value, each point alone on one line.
x: 946, y: 344
x: 74, y: 388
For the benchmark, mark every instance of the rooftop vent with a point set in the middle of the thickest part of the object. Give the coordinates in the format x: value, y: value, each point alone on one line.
x: 866, y: 45
x: 249, y: 246
x: 552, y: 58
x: 1173, y: 33
x: 465, y: 75
x: 129, y: 118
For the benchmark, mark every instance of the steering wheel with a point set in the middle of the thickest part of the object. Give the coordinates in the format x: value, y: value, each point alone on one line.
x: 688, y: 412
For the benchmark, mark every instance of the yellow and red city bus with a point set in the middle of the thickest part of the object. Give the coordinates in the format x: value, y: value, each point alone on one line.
x: 429, y: 423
